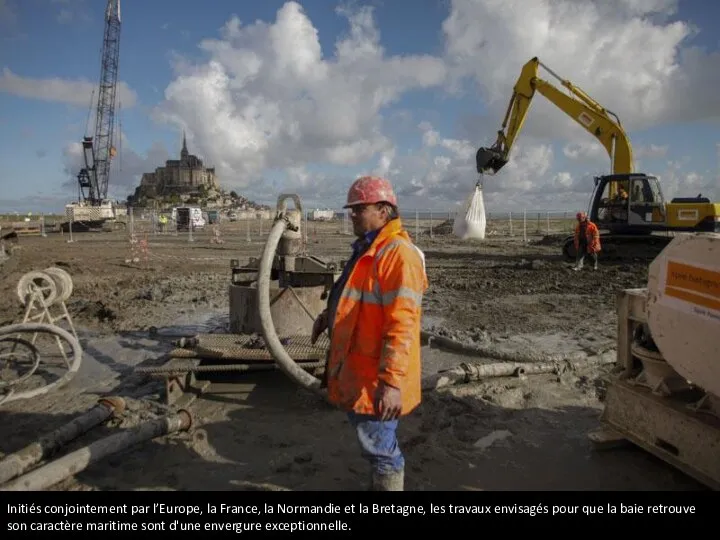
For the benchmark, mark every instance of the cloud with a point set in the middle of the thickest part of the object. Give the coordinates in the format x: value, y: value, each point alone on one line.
x: 72, y: 11
x: 126, y: 170
x: 72, y: 92
x: 444, y: 172
x: 678, y: 181
x: 40, y: 202
x: 272, y: 110
x: 628, y: 54
x: 268, y: 102
x: 267, y: 98
x: 593, y: 151
x: 65, y: 16
x: 8, y: 13
x: 637, y: 65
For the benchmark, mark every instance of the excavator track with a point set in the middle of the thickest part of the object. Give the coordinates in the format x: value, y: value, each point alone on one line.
x: 621, y: 246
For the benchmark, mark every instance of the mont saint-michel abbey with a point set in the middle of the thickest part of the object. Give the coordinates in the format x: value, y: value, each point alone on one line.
x: 185, y: 175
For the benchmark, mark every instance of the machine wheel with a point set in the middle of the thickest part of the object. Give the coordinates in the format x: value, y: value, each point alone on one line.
x: 569, y: 248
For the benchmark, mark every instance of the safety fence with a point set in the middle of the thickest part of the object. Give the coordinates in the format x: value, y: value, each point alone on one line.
x: 32, y: 225
x: 420, y: 223
x: 251, y: 225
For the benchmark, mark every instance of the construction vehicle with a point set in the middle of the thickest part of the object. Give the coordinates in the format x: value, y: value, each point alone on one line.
x: 665, y: 394
x: 93, y: 208
x: 189, y: 218
x: 626, y: 205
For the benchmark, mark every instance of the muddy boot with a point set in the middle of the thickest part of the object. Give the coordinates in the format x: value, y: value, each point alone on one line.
x: 388, y: 482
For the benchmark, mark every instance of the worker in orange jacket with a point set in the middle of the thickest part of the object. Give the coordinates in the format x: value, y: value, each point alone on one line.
x: 373, y: 319
x: 587, y: 241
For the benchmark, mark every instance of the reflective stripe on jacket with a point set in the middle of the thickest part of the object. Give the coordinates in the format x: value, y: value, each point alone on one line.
x: 376, y: 330
x: 592, y: 237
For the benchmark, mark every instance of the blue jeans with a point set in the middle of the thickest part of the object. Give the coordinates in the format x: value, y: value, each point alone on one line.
x: 378, y: 442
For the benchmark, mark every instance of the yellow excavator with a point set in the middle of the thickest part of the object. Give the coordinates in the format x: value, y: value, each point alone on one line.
x: 625, y: 205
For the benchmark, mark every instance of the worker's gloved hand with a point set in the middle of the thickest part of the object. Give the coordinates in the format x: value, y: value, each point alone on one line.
x: 319, y: 326
x: 388, y: 402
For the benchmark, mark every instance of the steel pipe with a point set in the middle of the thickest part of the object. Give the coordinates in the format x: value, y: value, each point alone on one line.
x: 465, y: 373
x: 77, y: 461
x: 15, y: 464
x: 448, y: 344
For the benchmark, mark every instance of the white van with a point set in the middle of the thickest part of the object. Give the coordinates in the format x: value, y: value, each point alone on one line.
x: 189, y: 214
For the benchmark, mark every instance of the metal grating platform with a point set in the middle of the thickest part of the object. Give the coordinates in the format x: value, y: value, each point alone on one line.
x: 182, y: 366
x: 246, y: 347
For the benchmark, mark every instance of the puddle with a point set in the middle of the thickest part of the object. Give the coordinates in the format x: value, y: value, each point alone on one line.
x: 107, y: 359
x: 552, y: 343
x: 489, y: 440
x: 205, y: 323
x: 208, y: 323
x: 431, y: 321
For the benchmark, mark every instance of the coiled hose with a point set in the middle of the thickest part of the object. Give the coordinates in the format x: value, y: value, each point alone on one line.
x: 46, y: 329
x: 278, y: 352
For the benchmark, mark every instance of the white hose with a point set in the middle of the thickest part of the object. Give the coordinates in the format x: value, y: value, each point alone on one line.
x: 306, y: 380
x: 35, y: 360
x: 278, y: 352
x: 47, y: 329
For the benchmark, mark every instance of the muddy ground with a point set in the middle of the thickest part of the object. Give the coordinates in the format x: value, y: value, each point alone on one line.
x: 501, y: 434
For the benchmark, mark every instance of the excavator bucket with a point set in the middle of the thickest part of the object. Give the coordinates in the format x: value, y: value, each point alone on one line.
x: 489, y: 160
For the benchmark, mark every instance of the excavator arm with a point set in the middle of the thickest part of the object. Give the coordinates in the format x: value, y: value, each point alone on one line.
x: 600, y: 122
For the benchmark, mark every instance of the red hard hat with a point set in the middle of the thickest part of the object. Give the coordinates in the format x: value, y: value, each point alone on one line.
x: 370, y: 190
x: 580, y: 216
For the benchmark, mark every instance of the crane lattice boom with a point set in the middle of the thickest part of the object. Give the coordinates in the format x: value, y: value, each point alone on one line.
x: 99, y: 150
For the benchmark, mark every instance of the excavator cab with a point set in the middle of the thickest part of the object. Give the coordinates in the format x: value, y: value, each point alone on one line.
x: 630, y: 204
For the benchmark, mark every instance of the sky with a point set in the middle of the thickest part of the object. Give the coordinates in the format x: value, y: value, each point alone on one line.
x: 304, y: 97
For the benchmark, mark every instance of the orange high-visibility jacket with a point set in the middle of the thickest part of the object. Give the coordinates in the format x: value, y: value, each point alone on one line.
x: 592, y: 236
x: 376, y: 331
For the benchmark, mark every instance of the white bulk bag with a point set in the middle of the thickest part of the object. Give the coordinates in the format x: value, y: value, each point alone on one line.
x: 471, y: 222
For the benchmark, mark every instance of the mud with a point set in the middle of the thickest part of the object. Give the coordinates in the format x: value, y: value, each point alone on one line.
x: 260, y: 431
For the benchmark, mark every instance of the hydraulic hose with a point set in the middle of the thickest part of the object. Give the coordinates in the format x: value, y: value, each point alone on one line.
x: 35, y: 354
x: 278, y: 352
x: 47, y: 329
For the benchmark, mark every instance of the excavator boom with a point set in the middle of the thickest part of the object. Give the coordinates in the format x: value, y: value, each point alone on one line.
x: 627, y: 206
x: 597, y: 120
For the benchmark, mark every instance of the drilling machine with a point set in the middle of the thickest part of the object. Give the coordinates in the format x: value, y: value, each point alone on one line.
x: 274, y: 302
